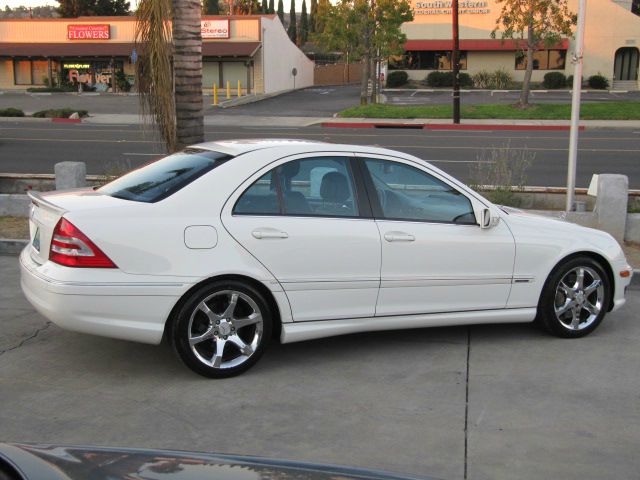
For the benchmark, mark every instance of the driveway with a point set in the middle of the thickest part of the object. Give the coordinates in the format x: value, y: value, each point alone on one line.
x: 486, y: 402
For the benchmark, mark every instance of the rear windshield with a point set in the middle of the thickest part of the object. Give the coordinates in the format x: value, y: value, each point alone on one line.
x: 164, y: 177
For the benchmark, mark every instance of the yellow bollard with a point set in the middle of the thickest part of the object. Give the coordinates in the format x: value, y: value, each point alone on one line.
x: 215, y: 94
x: 228, y: 89
x: 239, y: 93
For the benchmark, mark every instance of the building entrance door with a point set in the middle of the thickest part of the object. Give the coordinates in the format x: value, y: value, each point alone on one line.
x: 626, y: 64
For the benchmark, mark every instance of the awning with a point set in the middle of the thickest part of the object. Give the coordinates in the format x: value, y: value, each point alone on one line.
x: 113, y: 49
x: 229, y: 49
x: 489, y: 44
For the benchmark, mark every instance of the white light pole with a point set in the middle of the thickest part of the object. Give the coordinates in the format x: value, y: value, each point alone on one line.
x: 575, y: 106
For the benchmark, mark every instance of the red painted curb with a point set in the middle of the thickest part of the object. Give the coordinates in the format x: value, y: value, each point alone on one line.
x: 435, y: 126
x: 66, y: 120
x: 443, y: 126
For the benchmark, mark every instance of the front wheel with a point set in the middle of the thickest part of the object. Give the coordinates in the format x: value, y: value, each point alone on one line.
x: 222, y: 329
x: 575, y: 298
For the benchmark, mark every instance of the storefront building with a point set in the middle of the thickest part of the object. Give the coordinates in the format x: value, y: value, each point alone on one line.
x: 100, y: 53
x: 612, y: 40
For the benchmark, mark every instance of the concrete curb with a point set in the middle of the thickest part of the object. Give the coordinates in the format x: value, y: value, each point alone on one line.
x: 252, y: 98
x: 11, y: 246
x: 485, y: 90
x: 439, y: 126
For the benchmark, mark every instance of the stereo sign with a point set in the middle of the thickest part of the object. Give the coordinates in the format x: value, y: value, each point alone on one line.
x: 215, y: 28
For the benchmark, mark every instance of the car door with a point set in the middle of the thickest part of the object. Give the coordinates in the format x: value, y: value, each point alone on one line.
x: 306, y: 221
x: 435, y: 256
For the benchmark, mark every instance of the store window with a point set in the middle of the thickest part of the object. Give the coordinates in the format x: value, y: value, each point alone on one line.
x: 94, y: 75
x: 543, y: 60
x: 39, y: 72
x: 420, y: 60
x: 22, y: 72
x: 30, y: 72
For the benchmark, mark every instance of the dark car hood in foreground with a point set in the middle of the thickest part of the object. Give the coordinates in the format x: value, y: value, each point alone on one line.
x: 56, y: 462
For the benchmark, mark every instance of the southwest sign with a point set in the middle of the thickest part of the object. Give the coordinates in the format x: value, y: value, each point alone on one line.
x: 215, y: 28
x: 88, y: 32
x: 443, y: 7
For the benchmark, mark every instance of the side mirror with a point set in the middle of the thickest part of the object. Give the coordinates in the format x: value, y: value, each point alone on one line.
x: 487, y: 220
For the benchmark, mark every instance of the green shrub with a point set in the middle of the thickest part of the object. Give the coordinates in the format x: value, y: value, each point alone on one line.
x: 502, y: 79
x: 397, y: 79
x: 11, y: 112
x: 51, y: 89
x: 465, y: 80
x: 482, y: 79
x: 59, y: 113
x: 553, y: 80
x: 445, y: 79
x: 439, y: 79
x: 122, y: 83
x: 598, y: 82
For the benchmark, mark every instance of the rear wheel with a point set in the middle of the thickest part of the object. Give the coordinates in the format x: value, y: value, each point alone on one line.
x: 222, y: 329
x: 575, y: 298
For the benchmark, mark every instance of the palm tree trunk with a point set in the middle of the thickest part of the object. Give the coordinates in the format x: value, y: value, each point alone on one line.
x: 187, y: 65
x: 526, y: 84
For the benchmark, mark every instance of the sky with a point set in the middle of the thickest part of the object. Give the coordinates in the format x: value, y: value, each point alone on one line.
x: 35, y: 3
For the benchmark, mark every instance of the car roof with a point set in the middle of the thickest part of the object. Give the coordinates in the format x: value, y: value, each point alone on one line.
x: 235, y: 147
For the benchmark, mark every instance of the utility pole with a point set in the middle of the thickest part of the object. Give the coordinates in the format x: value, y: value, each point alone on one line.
x: 455, y: 60
x: 575, y: 107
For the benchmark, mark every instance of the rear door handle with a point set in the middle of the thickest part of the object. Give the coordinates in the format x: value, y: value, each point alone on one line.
x: 399, y: 237
x: 261, y: 233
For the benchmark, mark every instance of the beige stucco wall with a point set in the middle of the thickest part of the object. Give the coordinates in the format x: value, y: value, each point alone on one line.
x: 55, y: 31
x: 280, y: 57
x: 609, y: 26
x: 6, y: 74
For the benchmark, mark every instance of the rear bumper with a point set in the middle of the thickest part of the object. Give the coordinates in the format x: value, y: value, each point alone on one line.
x: 135, y: 311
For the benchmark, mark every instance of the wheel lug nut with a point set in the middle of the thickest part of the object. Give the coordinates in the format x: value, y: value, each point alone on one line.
x: 217, y: 322
x: 215, y: 332
x: 225, y: 337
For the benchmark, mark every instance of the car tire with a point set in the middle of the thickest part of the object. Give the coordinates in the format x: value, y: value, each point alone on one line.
x: 222, y: 329
x: 571, y: 307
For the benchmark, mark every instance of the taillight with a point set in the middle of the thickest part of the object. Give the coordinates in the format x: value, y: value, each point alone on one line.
x: 72, y: 248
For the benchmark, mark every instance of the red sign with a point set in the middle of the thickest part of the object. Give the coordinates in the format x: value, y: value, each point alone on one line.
x: 88, y: 32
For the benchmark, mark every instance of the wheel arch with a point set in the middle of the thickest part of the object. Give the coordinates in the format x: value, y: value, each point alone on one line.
x: 601, y: 259
x: 258, y: 285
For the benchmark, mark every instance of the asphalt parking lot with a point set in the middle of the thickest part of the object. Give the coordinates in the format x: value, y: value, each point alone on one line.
x: 308, y: 102
x: 486, y: 402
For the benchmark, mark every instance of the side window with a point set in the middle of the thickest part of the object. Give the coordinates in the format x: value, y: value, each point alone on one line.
x: 320, y: 186
x: 407, y: 193
x: 260, y: 198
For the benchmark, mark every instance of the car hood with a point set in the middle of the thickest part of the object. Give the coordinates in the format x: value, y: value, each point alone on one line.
x: 56, y: 462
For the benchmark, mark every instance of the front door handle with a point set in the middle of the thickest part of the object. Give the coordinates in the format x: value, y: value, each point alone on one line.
x: 399, y: 237
x: 261, y: 233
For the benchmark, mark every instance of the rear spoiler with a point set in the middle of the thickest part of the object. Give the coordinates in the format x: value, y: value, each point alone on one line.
x: 38, y: 199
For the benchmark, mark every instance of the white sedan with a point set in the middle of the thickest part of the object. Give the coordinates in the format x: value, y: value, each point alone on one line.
x: 226, y: 245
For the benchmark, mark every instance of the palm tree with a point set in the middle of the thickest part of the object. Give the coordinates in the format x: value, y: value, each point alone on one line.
x: 171, y: 94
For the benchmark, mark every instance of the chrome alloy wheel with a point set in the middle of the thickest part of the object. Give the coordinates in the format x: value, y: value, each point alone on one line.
x: 579, y: 298
x: 225, y: 329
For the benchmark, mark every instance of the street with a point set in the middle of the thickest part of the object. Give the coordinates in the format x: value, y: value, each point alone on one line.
x: 486, y: 402
x: 36, y: 147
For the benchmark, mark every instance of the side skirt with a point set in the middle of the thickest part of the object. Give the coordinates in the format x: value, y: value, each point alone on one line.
x: 300, y: 331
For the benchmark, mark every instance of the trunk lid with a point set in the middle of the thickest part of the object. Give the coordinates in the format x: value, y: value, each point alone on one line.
x: 48, y: 208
